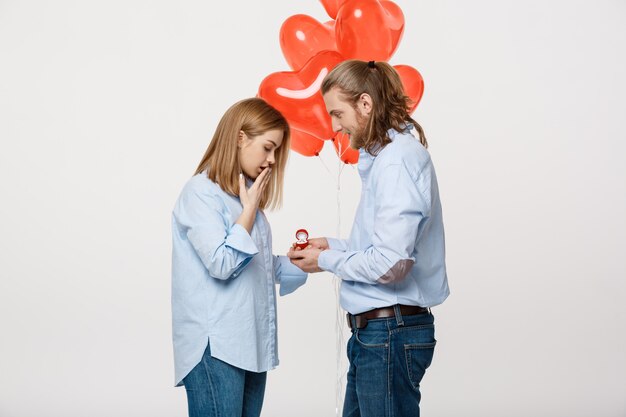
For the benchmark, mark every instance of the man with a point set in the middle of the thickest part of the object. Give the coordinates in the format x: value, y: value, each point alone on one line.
x: 393, y: 265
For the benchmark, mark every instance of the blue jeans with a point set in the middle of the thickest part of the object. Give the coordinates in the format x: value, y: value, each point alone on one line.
x: 388, y: 359
x: 217, y: 389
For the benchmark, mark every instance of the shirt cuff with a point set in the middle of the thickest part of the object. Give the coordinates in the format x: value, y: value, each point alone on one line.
x: 329, y: 260
x: 337, y: 244
x: 239, y: 239
x: 291, y: 277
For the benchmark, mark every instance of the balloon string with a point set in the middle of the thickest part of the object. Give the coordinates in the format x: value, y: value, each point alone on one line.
x: 339, y: 314
x: 339, y: 322
x: 342, y: 151
x: 325, y: 166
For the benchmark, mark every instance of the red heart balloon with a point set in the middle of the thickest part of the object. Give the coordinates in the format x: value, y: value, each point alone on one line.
x: 368, y: 29
x: 297, y: 94
x: 395, y: 23
x: 305, y: 144
x: 348, y: 155
x: 332, y: 6
x: 302, y: 37
x: 413, y: 84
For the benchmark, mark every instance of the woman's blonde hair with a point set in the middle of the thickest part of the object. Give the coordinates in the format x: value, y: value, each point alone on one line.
x: 390, y: 105
x: 254, y: 117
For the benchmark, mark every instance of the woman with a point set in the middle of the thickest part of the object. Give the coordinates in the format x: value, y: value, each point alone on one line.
x: 223, y: 270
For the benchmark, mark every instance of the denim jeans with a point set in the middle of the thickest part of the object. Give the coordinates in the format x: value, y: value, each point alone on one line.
x: 388, y: 359
x: 217, y: 389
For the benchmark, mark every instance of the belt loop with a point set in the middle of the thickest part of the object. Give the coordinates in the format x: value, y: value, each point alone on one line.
x: 399, y: 320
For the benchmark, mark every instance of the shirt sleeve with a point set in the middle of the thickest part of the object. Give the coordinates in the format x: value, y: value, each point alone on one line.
x: 225, y: 250
x: 401, y: 204
x: 337, y: 244
x: 289, y: 276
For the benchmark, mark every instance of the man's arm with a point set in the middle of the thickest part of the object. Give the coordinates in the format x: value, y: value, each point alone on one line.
x: 401, y: 205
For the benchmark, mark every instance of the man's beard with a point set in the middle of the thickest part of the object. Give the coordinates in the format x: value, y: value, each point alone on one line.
x: 357, y: 138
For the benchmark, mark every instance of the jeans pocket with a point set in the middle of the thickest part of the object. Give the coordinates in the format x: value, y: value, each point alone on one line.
x: 372, y: 339
x: 418, y: 358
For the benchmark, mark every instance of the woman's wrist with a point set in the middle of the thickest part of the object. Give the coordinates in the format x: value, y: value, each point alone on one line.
x: 249, y: 211
x: 247, y: 217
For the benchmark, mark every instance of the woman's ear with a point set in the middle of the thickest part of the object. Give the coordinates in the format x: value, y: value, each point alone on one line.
x: 241, y: 138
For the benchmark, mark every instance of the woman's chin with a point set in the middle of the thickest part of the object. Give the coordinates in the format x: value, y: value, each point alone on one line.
x: 251, y: 177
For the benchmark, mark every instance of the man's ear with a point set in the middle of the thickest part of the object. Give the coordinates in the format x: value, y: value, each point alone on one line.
x: 364, y: 104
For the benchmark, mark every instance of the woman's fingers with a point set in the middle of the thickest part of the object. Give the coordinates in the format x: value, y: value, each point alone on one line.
x: 242, y: 183
x: 260, y: 179
x: 266, y: 179
x: 254, y: 194
x: 243, y: 193
x: 261, y: 182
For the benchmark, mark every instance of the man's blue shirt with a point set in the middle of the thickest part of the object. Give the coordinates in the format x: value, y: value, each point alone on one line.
x: 396, y: 250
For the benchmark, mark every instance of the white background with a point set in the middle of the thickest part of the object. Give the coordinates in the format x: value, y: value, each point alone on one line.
x: 107, y: 107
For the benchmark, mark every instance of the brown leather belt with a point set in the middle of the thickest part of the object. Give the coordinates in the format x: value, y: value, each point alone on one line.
x: 360, y: 320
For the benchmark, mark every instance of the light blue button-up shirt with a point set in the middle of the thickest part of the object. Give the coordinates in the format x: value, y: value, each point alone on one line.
x: 396, y: 251
x: 223, y: 278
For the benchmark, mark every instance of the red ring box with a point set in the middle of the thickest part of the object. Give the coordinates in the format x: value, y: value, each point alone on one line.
x: 302, y: 237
